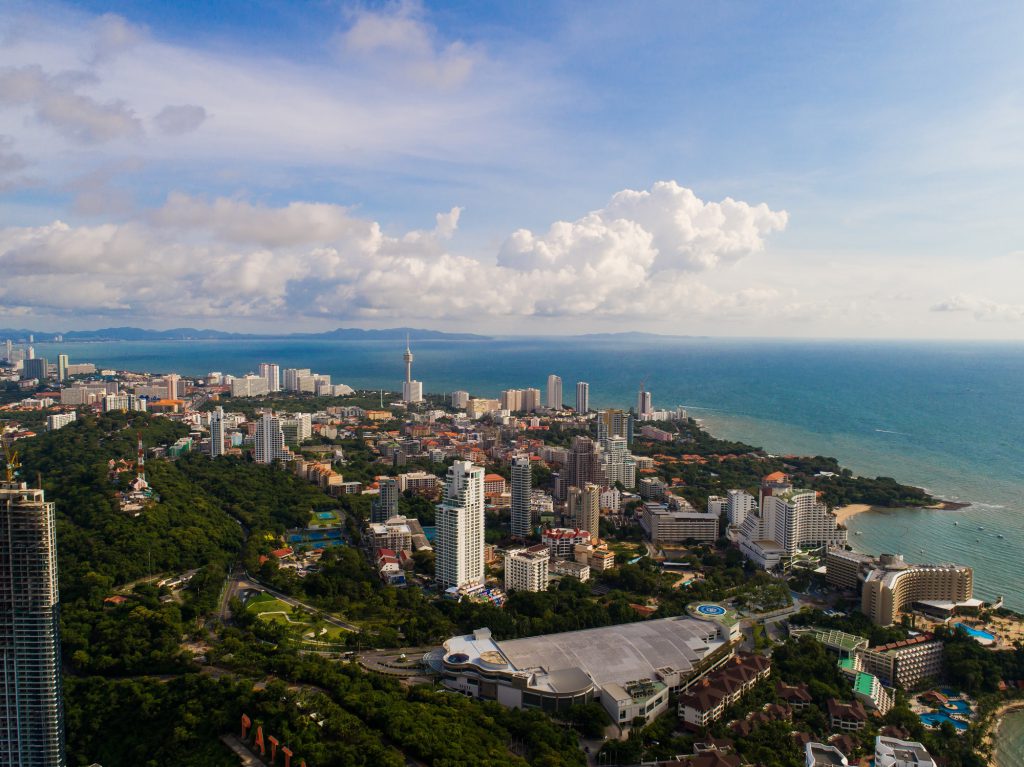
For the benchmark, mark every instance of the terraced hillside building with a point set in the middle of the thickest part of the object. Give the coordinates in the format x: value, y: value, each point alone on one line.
x: 631, y: 668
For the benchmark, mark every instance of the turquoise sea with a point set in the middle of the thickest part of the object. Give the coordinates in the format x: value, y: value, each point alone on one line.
x: 948, y: 416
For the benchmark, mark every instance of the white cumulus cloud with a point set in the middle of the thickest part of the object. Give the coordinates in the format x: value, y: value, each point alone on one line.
x: 232, y: 258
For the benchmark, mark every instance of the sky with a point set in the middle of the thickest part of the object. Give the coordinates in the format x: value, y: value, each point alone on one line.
x: 802, y: 169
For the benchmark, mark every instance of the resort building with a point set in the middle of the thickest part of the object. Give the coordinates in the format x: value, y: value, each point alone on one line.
x: 631, y: 668
x: 823, y: 755
x: 706, y: 701
x: 527, y: 569
x: 666, y: 526
x: 787, y: 521
x: 847, y: 569
x: 870, y: 691
x: 739, y: 504
x: 893, y: 752
x: 846, y: 716
x: 905, y: 664
x: 895, y: 587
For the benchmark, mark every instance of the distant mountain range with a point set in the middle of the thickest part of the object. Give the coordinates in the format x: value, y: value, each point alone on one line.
x: 187, y: 334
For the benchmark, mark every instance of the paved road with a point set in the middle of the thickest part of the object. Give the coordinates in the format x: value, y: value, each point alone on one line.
x: 240, y: 581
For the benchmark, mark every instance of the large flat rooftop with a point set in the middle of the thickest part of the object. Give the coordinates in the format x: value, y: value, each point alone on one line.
x: 608, y: 654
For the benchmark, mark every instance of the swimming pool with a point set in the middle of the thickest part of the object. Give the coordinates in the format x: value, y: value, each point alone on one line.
x: 976, y: 633
x: 937, y: 718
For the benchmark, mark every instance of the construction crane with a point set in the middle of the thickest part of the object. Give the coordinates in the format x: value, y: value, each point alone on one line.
x: 11, y: 462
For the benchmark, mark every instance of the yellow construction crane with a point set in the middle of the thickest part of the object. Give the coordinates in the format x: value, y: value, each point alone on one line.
x: 11, y: 461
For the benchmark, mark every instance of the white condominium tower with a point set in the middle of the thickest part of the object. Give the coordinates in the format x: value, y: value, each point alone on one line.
x: 272, y: 373
x: 460, y: 528
x: 522, y: 481
x: 554, y: 401
x: 31, y: 701
x: 412, y: 391
x: 582, y: 397
x: 270, y: 440
x: 217, y: 432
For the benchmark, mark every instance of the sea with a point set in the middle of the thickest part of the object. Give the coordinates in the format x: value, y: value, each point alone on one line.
x: 947, y: 416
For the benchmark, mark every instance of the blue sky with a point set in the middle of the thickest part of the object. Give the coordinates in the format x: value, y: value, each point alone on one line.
x: 800, y: 169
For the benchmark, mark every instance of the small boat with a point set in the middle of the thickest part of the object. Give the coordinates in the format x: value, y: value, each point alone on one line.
x: 981, y: 528
x: 860, y: 533
x: 978, y: 540
x: 956, y: 523
x: 1000, y: 536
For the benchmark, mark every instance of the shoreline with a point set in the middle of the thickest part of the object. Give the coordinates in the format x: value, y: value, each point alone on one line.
x: 844, y: 513
x: 991, y: 739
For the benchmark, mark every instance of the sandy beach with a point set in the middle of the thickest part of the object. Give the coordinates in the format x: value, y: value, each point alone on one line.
x: 843, y: 513
x: 992, y: 735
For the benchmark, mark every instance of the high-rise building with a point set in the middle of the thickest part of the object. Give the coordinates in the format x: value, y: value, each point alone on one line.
x: 62, y: 367
x: 412, y: 391
x: 614, y: 423
x: 35, y: 367
x: 291, y: 377
x: 460, y: 399
x: 297, y: 428
x: 896, y: 586
x: 272, y: 374
x: 522, y: 485
x: 531, y: 400
x: 644, y: 403
x: 739, y: 503
x: 585, y: 509
x: 217, y: 432
x: 582, y: 397
x: 583, y: 465
x: 249, y: 386
x: 172, y: 380
x: 511, y: 400
x: 30, y: 353
x: 269, y: 445
x: 617, y: 463
x: 459, y: 543
x: 554, y: 401
x: 8, y: 349
x: 31, y: 699
x: 787, y: 521
x: 385, y: 505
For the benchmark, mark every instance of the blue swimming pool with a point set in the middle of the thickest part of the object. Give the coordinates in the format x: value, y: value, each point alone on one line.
x: 976, y: 633
x: 936, y: 719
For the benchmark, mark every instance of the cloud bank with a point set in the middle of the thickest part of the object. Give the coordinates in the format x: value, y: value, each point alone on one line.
x: 640, y: 256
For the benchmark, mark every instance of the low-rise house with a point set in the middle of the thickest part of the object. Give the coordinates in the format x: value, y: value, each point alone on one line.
x: 846, y: 716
